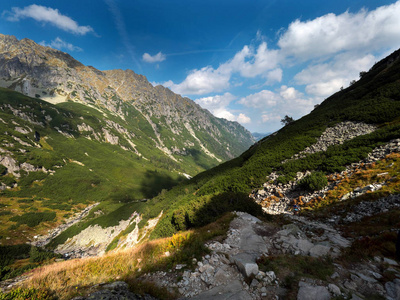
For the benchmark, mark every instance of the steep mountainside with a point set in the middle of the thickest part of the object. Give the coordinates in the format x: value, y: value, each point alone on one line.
x: 344, y: 129
x: 179, y: 128
x: 339, y: 165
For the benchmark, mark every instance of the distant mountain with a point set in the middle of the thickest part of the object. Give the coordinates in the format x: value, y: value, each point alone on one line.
x: 258, y: 136
x: 175, y: 127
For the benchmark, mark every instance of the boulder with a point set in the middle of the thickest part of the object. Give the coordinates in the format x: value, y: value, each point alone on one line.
x: 334, y: 289
x: 312, y: 292
x: 393, y: 289
x: 246, y: 264
x: 319, y: 250
x: 231, y: 291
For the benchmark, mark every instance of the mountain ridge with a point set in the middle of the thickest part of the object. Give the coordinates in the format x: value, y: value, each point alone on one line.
x: 55, y: 76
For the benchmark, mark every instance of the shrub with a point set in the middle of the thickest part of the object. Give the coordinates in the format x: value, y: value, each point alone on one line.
x: 3, y: 170
x: 33, y: 219
x: 314, y: 182
x: 23, y: 294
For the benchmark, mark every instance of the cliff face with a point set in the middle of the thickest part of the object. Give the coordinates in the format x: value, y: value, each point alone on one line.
x: 177, y: 126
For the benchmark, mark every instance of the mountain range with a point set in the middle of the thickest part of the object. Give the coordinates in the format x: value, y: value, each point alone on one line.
x: 98, y: 171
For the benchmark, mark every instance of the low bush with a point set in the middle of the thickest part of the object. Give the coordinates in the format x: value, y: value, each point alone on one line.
x: 24, y: 294
x: 314, y: 182
x: 33, y: 219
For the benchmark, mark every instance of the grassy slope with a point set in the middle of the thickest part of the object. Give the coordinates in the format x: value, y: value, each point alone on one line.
x: 87, y: 171
x: 375, y: 99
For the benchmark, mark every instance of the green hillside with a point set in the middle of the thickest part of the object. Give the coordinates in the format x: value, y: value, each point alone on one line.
x: 374, y: 99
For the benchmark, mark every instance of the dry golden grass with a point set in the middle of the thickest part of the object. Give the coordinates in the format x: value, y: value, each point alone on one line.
x: 73, y: 276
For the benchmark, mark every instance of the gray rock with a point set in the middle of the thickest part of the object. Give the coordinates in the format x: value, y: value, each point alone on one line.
x: 246, y: 264
x: 390, y: 261
x: 319, y: 250
x: 311, y: 292
x: 231, y: 291
x: 366, y: 278
x: 334, y: 289
x: 393, y: 289
x: 220, y: 277
x: 304, y: 246
x: 356, y: 297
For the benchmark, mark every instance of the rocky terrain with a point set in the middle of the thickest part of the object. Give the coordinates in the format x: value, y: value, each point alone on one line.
x: 233, y: 269
x: 178, y: 125
x: 279, y: 198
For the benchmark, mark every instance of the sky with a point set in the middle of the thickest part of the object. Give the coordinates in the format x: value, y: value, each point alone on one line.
x: 249, y: 61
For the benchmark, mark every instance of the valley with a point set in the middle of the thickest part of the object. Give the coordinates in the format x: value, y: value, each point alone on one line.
x: 167, y: 206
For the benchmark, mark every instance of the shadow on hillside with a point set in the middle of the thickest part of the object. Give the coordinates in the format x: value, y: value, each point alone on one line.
x: 153, y: 182
x: 199, y: 213
x: 199, y: 159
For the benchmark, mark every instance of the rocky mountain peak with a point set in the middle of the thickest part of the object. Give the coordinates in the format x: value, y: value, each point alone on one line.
x: 177, y: 123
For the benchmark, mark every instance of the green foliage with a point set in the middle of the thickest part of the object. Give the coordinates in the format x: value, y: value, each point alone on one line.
x: 37, y: 255
x: 33, y: 219
x: 314, y: 182
x: 200, y: 211
x: 3, y: 170
x: 374, y: 99
x: 287, y: 120
x: 27, y: 293
x: 8, y: 180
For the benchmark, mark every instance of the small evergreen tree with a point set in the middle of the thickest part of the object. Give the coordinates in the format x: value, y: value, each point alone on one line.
x: 287, y: 120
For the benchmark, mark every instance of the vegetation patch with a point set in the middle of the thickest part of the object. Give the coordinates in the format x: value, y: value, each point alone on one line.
x: 33, y: 219
x: 314, y: 182
x: 291, y: 268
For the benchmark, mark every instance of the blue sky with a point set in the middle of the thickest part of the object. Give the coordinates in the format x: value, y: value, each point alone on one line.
x: 249, y: 61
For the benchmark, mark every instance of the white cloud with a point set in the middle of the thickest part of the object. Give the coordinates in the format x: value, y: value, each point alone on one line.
x: 218, y: 106
x: 199, y: 82
x: 59, y: 44
x: 260, y: 61
x: 331, y: 34
x: 325, y: 79
x: 155, y: 58
x: 261, y: 99
x: 216, y: 102
x: 271, y: 106
x: 249, y: 63
x: 47, y: 15
x: 243, y: 119
x: 274, y: 76
x: 270, y: 117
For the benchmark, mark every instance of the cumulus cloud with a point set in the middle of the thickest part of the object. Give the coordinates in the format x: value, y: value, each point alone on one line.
x: 330, y: 34
x: 199, y: 82
x: 270, y: 117
x: 248, y: 62
x: 261, y: 99
x: 327, y: 78
x: 47, y: 15
x: 243, y: 119
x: 275, y: 104
x: 155, y: 58
x: 274, y: 76
x: 59, y: 44
x: 218, y: 106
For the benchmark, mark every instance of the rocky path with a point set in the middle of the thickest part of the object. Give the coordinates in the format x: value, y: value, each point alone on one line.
x: 231, y: 270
